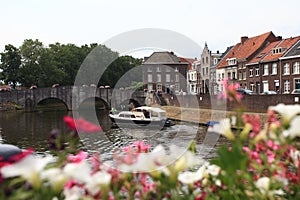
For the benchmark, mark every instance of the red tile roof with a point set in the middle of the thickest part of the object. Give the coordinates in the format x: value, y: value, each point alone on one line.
x: 263, y: 53
x: 246, y: 49
x: 188, y: 60
x: 286, y: 44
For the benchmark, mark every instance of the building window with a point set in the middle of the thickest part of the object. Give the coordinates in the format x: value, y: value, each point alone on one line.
x: 149, y: 69
x: 233, y: 75
x: 252, y: 86
x: 159, y: 87
x: 203, y: 60
x: 278, y: 50
x: 150, y: 87
x: 149, y: 77
x: 244, y: 75
x: 158, y: 69
x: 297, y: 83
x: 158, y: 78
x: 286, y: 69
x: 256, y: 71
x: 231, y: 61
x: 240, y: 75
x: 168, y: 77
x: 286, y: 88
x: 222, y: 76
x: 206, y: 60
x: 206, y: 71
x: 229, y: 75
x: 215, y: 61
x: 176, y: 87
x: 177, y: 77
x: 274, y: 68
x: 296, y: 68
x: 250, y: 72
x: 266, y: 70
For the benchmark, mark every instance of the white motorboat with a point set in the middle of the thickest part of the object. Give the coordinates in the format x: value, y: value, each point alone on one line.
x: 143, y: 115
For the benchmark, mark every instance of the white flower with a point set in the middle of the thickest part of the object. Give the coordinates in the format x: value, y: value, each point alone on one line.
x: 263, y: 184
x: 79, y: 171
x: 218, y: 183
x: 187, y: 160
x: 29, y: 168
x: 294, y: 129
x: 156, y: 160
x: 55, y: 176
x: 213, y: 170
x: 74, y: 193
x: 295, y: 155
x: 286, y: 111
x: 98, y: 180
x: 223, y: 128
x: 233, y: 120
x: 187, y: 177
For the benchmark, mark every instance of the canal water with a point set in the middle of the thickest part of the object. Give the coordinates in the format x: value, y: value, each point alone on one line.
x: 32, y: 130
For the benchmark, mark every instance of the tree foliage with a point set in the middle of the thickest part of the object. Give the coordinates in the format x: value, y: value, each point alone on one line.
x: 10, y: 64
x: 35, y: 64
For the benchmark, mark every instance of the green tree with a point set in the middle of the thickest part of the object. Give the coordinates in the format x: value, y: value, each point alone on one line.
x: 123, y: 72
x: 31, y: 52
x: 10, y: 64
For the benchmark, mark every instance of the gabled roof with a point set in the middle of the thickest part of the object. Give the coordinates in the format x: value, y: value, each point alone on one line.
x: 293, y: 51
x: 163, y: 58
x: 263, y: 53
x: 230, y: 54
x: 246, y: 48
x: 285, y: 44
x: 189, y: 61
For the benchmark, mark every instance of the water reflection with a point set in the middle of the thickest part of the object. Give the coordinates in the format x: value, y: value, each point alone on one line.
x: 27, y: 130
x: 30, y: 129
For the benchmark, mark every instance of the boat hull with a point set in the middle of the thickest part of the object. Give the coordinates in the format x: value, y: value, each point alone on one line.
x: 138, y: 122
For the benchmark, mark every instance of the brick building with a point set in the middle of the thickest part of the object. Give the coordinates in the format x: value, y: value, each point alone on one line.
x: 233, y: 65
x: 268, y: 71
x: 165, y: 72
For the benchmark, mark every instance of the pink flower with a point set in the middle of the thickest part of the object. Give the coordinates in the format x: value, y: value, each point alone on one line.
x: 255, y: 124
x: 230, y: 91
x: 272, y: 145
x: 81, y: 125
x: 96, y: 162
x: 141, y: 147
x: 77, y: 158
x: 271, y: 156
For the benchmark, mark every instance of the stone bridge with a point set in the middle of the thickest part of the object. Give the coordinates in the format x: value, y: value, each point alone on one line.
x: 73, y: 96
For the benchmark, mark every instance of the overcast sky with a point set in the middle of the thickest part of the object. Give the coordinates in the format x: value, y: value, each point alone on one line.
x: 220, y: 23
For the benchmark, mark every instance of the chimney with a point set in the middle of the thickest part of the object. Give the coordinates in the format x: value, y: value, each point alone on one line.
x: 279, y: 37
x: 243, y: 39
x: 218, y: 51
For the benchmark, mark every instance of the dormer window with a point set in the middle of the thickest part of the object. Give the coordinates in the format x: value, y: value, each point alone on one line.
x: 231, y: 61
x: 278, y: 50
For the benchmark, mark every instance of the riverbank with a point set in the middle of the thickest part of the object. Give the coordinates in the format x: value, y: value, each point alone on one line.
x: 202, y: 116
x: 9, y: 106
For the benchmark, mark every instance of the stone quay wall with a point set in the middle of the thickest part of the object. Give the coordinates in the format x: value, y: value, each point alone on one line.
x: 250, y: 103
x: 203, y: 108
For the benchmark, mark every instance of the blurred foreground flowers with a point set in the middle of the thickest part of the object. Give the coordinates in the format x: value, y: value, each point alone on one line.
x: 262, y: 162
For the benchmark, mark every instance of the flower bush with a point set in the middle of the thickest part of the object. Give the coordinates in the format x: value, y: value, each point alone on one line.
x: 262, y: 162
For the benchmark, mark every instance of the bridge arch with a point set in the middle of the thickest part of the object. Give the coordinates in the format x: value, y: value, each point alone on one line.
x: 72, y: 96
x: 58, y: 100
x: 94, y: 101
